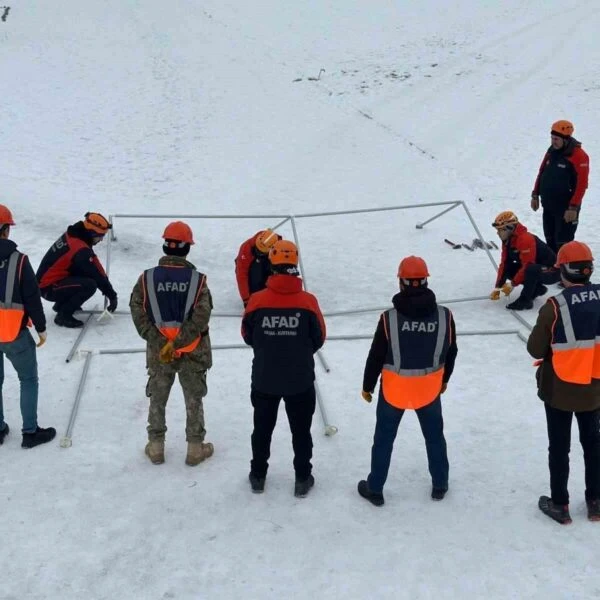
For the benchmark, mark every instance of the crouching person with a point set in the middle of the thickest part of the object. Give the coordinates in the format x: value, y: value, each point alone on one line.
x: 170, y: 306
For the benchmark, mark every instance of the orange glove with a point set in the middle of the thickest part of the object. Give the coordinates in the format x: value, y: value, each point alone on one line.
x: 507, y: 288
x: 167, y: 353
x: 495, y: 295
x: 367, y: 396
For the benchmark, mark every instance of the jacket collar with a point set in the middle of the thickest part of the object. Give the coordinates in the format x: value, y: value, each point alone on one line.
x: 284, y: 284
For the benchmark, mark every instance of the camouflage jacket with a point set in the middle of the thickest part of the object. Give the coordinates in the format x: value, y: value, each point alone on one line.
x: 201, y: 357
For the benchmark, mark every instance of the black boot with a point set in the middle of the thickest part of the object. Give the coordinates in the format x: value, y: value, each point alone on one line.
x: 520, y: 304
x: 560, y: 513
x: 67, y: 321
x: 367, y: 494
x: 303, y: 486
x: 540, y: 290
x: 4, y: 433
x: 257, y: 483
x: 41, y: 436
x: 438, y: 493
x: 593, y: 507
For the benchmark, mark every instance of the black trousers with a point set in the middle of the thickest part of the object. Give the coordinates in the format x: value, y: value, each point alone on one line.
x: 559, y: 437
x: 300, y: 409
x: 70, y: 293
x: 556, y: 231
x: 535, y: 276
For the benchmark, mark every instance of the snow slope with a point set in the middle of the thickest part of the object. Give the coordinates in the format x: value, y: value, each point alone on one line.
x: 212, y: 108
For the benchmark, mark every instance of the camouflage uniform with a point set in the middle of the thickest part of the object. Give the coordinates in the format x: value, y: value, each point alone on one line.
x: 191, y: 367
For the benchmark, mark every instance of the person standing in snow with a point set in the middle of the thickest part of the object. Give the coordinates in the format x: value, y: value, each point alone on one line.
x: 252, y: 267
x: 525, y: 260
x: 20, y: 301
x: 285, y: 327
x: 565, y: 340
x: 70, y: 272
x: 560, y: 185
x: 171, y: 306
x: 414, y: 350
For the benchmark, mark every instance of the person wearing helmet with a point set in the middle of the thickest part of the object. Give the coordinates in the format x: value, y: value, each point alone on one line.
x: 565, y: 340
x: 20, y: 302
x: 252, y: 267
x: 560, y: 184
x: 70, y: 272
x: 170, y: 307
x: 413, y: 351
x: 285, y: 327
x: 525, y: 260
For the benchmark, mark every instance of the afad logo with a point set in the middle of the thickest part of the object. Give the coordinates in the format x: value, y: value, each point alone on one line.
x: 281, y: 325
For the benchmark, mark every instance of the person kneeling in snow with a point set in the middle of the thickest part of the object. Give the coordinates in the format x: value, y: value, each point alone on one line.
x: 525, y: 260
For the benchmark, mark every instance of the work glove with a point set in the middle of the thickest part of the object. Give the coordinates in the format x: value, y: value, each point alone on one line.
x: 507, y: 288
x: 112, y: 304
x: 43, y: 335
x: 367, y: 396
x: 535, y: 202
x: 167, y: 353
x: 570, y: 215
x: 495, y: 295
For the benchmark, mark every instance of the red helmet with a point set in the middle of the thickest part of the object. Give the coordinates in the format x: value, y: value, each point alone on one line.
x: 413, y: 267
x: 178, y: 231
x: 6, y: 217
x: 575, y: 261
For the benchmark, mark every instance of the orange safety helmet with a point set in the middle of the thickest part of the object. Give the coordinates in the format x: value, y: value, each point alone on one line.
x: 575, y: 261
x: 413, y: 267
x: 283, y: 252
x: 265, y: 240
x: 506, y: 219
x: 6, y: 217
x: 562, y: 128
x: 97, y: 223
x: 178, y: 231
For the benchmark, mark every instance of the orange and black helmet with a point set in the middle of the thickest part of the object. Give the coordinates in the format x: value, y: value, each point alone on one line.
x: 505, y: 220
x: 575, y: 261
x: 178, y: 231
x: 283, y: 257
x: 413, y: 271
x: 562, y: 128
x: 265, y: 241
x: 96, y: 223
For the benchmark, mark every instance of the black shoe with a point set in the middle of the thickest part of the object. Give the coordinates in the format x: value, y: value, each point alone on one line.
x: 4, y: 433
x: 560, y: 513
x: 41, y: 436
x: 593, y: 507
x: 303, y: 486
x: 540, y: 290
x: 520, y: 304
x: 56, y: 308
x: 67, y: 321
x: 438, y: 493
x: 367, y: 494
x: 257, y: 483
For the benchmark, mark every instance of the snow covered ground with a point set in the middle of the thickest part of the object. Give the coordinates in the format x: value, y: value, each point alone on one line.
x: 212, y: 108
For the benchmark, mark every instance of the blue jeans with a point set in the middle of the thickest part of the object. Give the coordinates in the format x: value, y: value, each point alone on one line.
x: 21, y: 353
x: 386, y: 428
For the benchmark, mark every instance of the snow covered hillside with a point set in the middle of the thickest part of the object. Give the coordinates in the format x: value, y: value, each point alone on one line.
x: 231, y: 108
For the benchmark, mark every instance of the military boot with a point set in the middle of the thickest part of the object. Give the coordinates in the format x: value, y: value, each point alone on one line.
x: 155, y: 451
x: 197, y: 452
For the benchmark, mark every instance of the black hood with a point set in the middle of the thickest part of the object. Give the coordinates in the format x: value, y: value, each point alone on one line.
x: 7, y: 247
x: 415, y: 302
x: 79, y: 231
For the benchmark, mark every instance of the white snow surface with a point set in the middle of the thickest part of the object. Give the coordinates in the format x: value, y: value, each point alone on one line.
x: 206, y: 108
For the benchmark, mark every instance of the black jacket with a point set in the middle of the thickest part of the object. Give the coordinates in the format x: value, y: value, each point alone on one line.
x: 413, y: 303
x: 29, y: 290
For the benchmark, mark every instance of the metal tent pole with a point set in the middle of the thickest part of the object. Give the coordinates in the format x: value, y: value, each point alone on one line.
x: 358, y: 211
x: 421, y: 225
x: 329, y: 429
x: 476, y: 228
x: 79, y: 338
x: 66, y: 440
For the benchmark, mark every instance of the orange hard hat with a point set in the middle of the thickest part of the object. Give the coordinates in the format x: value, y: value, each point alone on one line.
x: 265, y: 240
x: 283, y: 252
x: 413, y: 267
x: 573, y: 252
x: 562, y: 128
x: 506, y: 218
x: 97, y: 223
x: 178, y: 231
x: 6, y: 217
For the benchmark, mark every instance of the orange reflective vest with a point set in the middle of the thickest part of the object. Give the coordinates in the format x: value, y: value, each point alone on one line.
x: 576, y: 334
x: 170, y: 295
x: 412, y: 376
x: 11, y: 309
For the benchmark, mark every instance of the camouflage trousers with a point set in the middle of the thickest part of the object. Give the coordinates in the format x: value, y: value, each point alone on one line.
x: 193, y: 382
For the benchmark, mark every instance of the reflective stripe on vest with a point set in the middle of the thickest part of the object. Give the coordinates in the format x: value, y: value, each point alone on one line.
x: 11, y: 313
x: 413, y: 388
x: 170, y: 329
x: 574, y: 360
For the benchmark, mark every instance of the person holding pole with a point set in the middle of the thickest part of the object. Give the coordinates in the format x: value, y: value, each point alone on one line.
x: 285, y: 327
x: 413, y: 350
x: 20, y: 302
